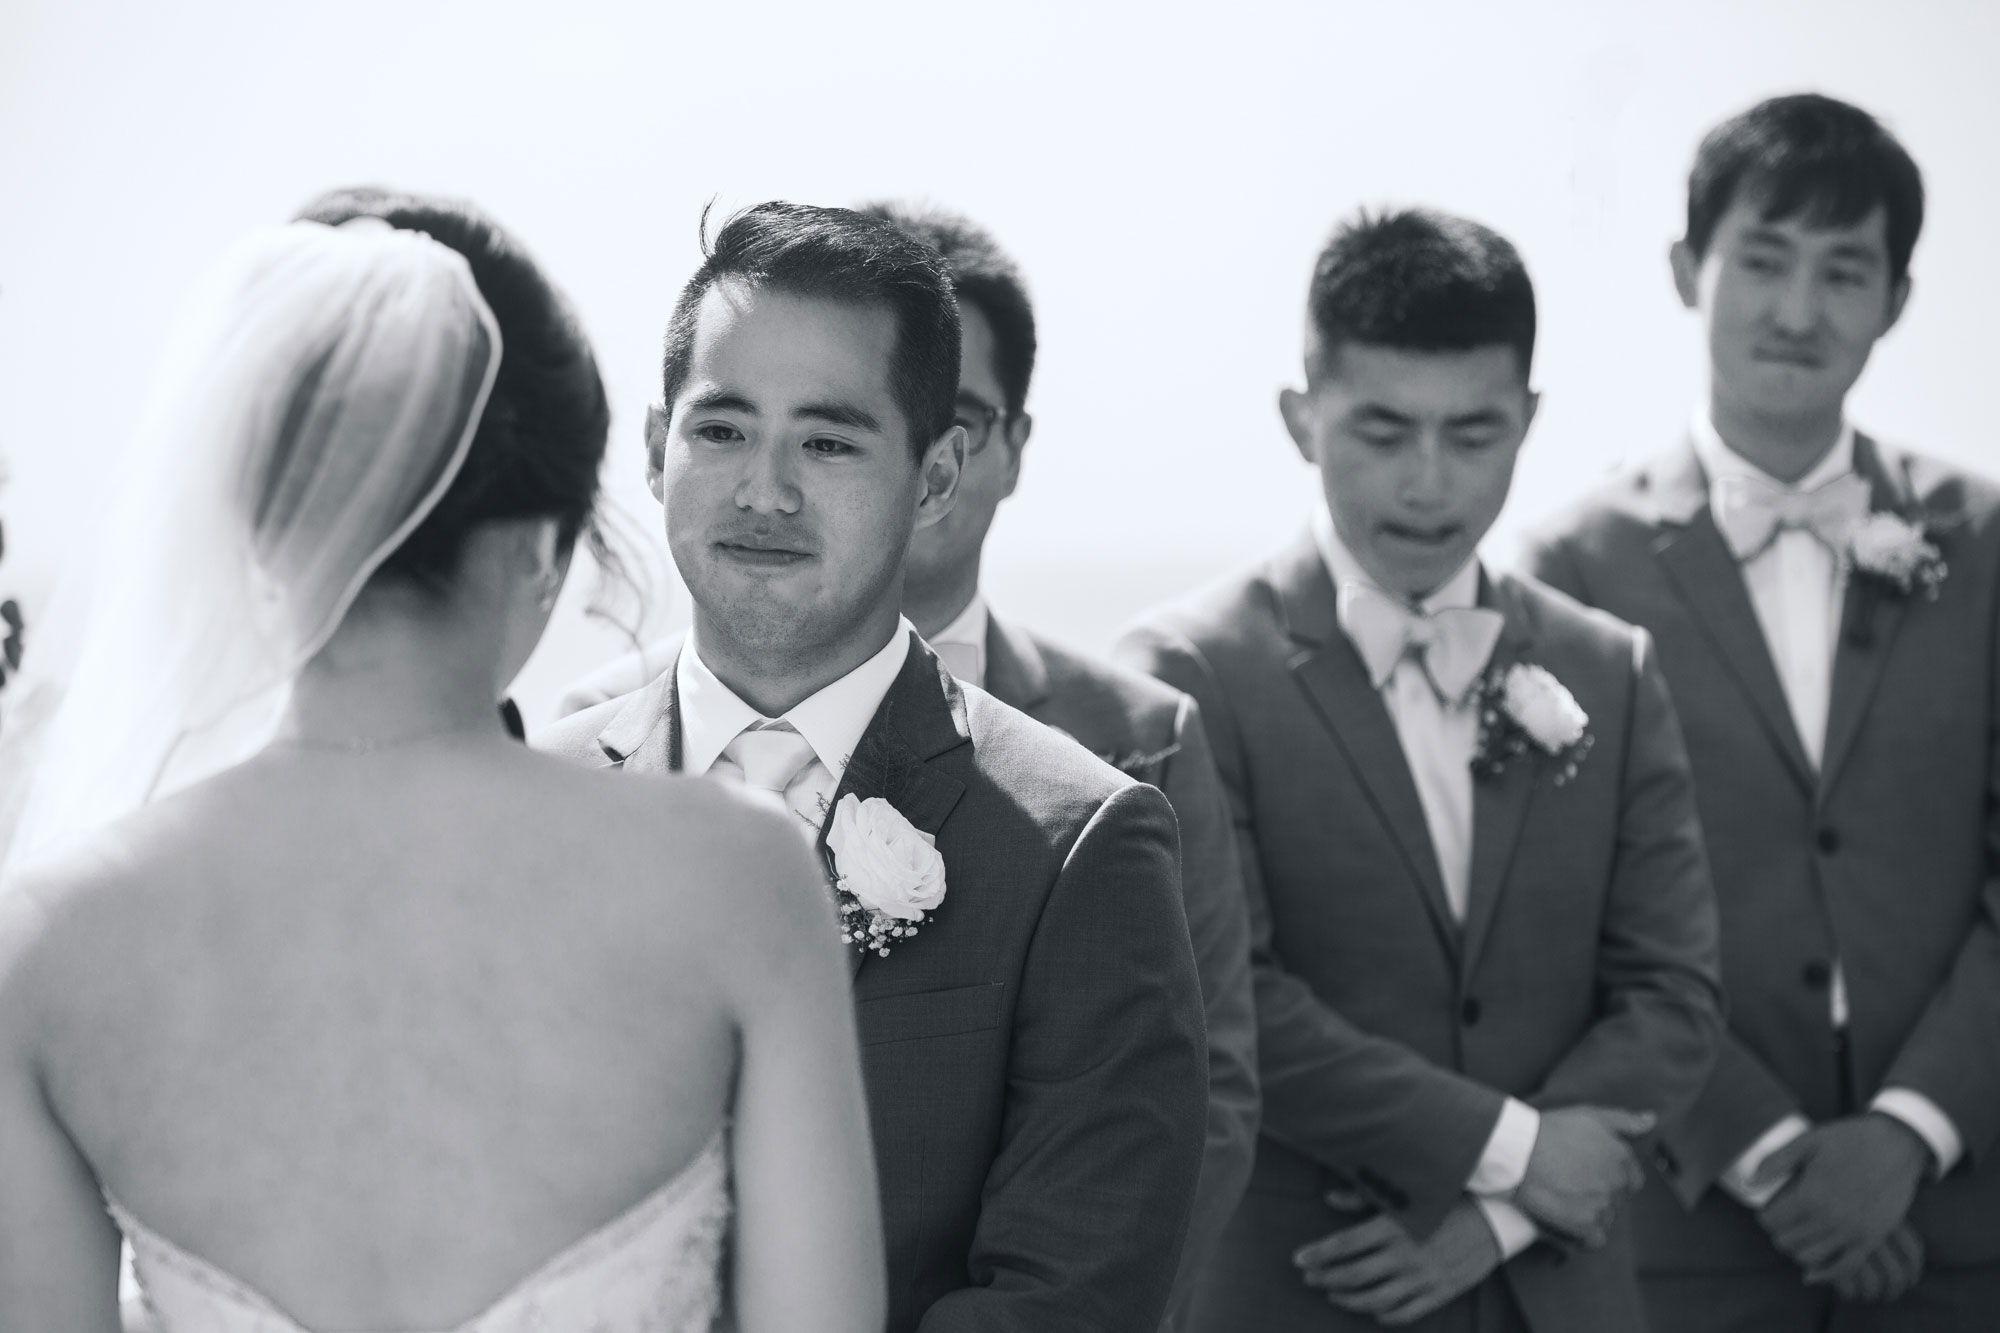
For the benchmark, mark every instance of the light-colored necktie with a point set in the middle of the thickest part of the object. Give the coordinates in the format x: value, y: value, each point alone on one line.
x: 771, y: 758
x: 1453, y: 644
x: 1750, y: 512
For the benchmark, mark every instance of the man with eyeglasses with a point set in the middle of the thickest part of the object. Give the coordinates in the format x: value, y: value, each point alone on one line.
x: 1131, y: 721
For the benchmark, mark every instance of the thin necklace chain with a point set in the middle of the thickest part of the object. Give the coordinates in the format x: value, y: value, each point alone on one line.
x: 373, y: 745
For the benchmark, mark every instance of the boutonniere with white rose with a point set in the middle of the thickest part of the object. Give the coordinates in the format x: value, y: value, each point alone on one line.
x: 1523, y: 706
x: 1896, y: 556
x: 887, y: 874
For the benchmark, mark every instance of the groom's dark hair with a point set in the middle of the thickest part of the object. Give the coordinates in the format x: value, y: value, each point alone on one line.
x: 837, y: 254
x: 1419, y: 280
x: 1810, y: 156
x: 985, y: 276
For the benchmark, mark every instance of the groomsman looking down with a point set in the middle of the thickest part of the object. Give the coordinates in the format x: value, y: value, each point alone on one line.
x: 1482, y: 933
x: 1029, y: 1011
x: 1827, y: 610
x: 1129, y: 720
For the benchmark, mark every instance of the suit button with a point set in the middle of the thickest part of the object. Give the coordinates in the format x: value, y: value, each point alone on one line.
x: 1828, y: 840
x: 1817, y: 975
x: 1469, y: 1011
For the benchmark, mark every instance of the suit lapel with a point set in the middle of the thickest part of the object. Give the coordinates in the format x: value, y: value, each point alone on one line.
x: 1709, y: 582
x: 921, y: 718
x: 1336, y: 683
x: 1015, y: 672
x: 1868, y: 625
x: 1500, y: 803
x: 645, y: 735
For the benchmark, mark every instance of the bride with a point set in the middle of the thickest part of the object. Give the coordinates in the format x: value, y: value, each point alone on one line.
x: 345, y: 1009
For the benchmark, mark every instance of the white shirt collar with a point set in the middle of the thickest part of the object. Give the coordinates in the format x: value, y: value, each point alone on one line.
x: 1460, y: 590
x: 968, y: 631
x: 832, y: 720
x: 1718, y: 460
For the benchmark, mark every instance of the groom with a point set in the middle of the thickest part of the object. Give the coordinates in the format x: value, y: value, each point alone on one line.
x: 1029, y: 1011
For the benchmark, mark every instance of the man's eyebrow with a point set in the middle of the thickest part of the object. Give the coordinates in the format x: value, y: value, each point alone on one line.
x: 1377, y: 412
x: 1484, y: 416
x: 721, y: 400
x: 1767, y: 236
x: 1856, y: 251
x: 836, y: 413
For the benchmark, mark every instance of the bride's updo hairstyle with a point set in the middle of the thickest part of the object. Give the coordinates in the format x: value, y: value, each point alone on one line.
x: 540, y: 443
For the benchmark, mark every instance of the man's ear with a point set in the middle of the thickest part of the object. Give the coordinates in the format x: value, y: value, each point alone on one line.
x: 1019, y: 427
x: 1296, y: 408
x: 1686, y: 266
x: 1534, y: 405
x: 1899, y: 297
x: 656, y: 450
x: 943, y: 463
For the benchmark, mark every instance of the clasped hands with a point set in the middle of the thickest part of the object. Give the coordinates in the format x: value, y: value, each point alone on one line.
x: 1581, y: 1163
x: 1840, y: 1215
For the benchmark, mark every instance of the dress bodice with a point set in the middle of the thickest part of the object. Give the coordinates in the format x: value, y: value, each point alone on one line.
x: 656, y: 1268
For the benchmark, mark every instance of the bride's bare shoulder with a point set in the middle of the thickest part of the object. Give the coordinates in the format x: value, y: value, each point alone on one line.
x: 726, y: 851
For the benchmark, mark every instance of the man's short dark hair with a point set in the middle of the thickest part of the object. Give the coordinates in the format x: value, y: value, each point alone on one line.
x: 837, y: 254
x: 1419, y: 280
x: 1809, y: 156
x: 987, y: 277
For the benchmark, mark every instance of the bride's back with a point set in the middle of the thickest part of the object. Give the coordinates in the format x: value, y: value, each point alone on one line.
x: 319, y: 1014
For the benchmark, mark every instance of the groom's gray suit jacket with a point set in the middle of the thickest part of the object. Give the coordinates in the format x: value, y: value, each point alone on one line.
x: 1035, y: 1061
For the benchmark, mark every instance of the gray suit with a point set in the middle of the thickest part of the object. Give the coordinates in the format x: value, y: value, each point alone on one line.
x: 1154, y: 734
x: 1887, y: 858
x: 1034, y: 1058
x: 1389, y: 1034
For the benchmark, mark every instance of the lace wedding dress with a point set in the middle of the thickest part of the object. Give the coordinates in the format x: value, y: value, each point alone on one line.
x: 655, y: 1269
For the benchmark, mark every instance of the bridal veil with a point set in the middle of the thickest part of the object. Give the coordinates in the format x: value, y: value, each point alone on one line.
x: 312, y: 410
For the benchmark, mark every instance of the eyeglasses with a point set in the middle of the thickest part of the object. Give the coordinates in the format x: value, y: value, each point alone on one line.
x: 977, y: 419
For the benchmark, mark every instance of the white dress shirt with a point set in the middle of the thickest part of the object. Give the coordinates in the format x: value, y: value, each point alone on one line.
x: 1797, y: 586
x: 961, y: 645
x: 832, y: 720
x: 1438, y: 742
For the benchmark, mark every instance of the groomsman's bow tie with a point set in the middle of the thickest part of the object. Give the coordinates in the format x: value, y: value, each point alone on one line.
x: 1452, y: 644
x: 1750, y: 512
x: 770, y: 757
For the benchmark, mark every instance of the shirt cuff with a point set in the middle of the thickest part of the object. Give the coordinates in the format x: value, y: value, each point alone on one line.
x: 1736, y: 1180
x: 1512, y: 1230
x: 1503, y: 1163
x: 1932, y: 1125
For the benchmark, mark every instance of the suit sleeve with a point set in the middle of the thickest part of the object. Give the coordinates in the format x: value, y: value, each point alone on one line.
x: 1742, y: 1099
x: 1087, y: 1199
x: 1952, y: 1056
x: 1219, y: 930
x: 1657, y: 973
x: 1408, y: 1133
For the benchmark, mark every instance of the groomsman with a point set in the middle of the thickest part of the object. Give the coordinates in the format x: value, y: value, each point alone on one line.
x: 1827, y: 609
x: 1482, y: 932
x: 1130, y: 720
x: 1029, y: 1011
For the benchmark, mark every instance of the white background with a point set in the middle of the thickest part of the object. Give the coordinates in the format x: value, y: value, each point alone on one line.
x: 1163, y: 174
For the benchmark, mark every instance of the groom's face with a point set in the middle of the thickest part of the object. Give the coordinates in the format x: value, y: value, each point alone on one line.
x: 786, y: 469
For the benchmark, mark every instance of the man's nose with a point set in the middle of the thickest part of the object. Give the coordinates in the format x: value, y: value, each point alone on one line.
x: 1798, y: 307
x: 767, y: 485
x: 1424, y: 479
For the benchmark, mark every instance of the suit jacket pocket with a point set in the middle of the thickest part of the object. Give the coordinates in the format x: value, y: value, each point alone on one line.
x: 935, y: 1013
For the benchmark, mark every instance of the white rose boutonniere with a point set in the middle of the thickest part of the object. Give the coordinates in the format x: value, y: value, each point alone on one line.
x: 1897, y: 555
x: 888, y: 876
x: 1523, y: 705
